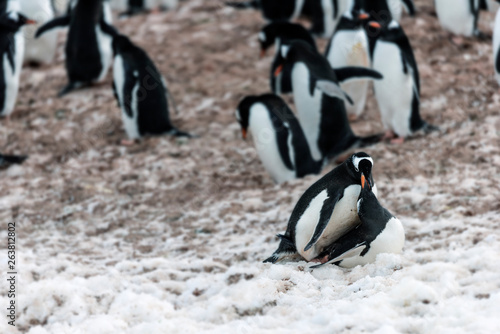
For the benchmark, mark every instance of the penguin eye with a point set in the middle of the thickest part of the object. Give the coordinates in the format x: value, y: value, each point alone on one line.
x: 356, y: 160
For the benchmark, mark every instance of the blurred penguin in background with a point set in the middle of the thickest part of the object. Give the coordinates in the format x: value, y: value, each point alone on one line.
x: 133, y: 7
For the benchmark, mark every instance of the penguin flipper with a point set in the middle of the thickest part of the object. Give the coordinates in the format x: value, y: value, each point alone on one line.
x: 410, y: 6
x: 349, y: 73
x: 355, y: 251
x: 332, y: 89
x: 108, y: 29
x: 286, y: 248
x: 324, y: 218
x: 58, y: 22
x: 6, y: 160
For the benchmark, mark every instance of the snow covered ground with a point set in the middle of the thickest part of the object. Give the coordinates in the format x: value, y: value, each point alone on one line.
x: 169, y: 236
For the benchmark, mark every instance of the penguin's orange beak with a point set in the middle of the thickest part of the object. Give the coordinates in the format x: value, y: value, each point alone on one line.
x: 363, y: 181
x: 363, y: 16
x: 262, y: 53
x: 278, y: 70
x: 374, y: 24
x: 244, y: 133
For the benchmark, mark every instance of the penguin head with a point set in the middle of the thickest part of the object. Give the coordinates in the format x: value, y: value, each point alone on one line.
x: 360, y: 165
x: 13, y: 21
x: 243, y: 113
x: 387, y: 32
x: 367, y: 201
x: 282, y: 33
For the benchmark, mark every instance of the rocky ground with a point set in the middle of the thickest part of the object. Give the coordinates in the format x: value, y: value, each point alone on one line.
x: 168, y: 236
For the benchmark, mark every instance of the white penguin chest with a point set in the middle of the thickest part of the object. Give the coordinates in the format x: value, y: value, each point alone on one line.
x: 456, y: 16
x: 264, y: 137
x: 344, y: 217
x: 308, y: 107
x: 390, y: 240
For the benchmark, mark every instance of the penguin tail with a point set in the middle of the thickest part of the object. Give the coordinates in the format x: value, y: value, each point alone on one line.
x: 369, y: 140
x: 286, y: 248
x: 243, y: 5
x: 6, y: 160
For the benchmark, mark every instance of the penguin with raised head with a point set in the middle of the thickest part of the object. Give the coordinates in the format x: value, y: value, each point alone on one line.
x: 320, y: 100
x: 7, y: 160
x: 88, y: 46
x: 326, y: 211
x: 378, y: 232
x: 496, y: 45
x: 384, y: 11
x: 349, y: 47
x: 11, y: 52
x: 459, y: 16
x: 141, y: 92
x: 278, y: 137
x: 282, y: 33
x: 273, y: 10
x: 398, y: 94
x: 43, y: 49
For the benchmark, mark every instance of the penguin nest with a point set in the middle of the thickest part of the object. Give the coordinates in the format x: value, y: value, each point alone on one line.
x: 166, y: 212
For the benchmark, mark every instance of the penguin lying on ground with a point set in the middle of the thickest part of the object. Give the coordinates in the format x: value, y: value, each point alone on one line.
x: 320, y: 100
x: 378, y: 232
x: 282, y: 33
x: 11, y: 52
x: 273, y: 10
x: 88, y: 46
x: 278, y: 137
x: 349, y: 47
x: 141, y: 92
x: 7, y: 160
x: 326, y: 211
x: 398, y: 94
x: 459, y: 16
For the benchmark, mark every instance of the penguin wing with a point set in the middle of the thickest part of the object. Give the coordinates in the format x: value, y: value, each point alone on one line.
x: 324, y: 218
x: 349, y: 73
x: 131, y: 80
x: 283, y: 133
x: 409, y: 64
x: 332, y: 89
x: 116, y: 94
x: 410, y: 6
x: 107, y: 28
x: 58, y: 22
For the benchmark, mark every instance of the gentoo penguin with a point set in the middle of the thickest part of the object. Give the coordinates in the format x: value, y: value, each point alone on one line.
x: 325, y: 15
x: 378, y: 232
x: 282, y: 33
x: 326, y: 211
x: 496, y: 46
x: 7, y: 160
x: 398, y: 94
x: 349, y: 47
x: 11, y: 52
x: 273, y: 10
x: 43, y: 49
x: 320, y: 100
x: 278, y: 137
x: 384, y: 11
x: 88, y: 46
x: 459, y: 16
x: 141, y: 92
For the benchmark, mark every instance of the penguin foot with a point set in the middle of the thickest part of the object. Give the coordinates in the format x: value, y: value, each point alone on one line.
x: 389, y: 134
x: 398, y: 140
x: 127, y: 142
x: 68, y: 88
x: 322, y: 260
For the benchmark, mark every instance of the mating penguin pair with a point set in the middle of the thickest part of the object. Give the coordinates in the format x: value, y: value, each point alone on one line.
x: 88, y: 46
x: 11, y: 52
x: 339, y: 220
x: 278, y: 137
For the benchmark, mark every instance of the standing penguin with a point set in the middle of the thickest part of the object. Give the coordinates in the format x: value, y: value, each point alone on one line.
x: 320, y: 100
x: 496, y: 46
x: 11, y: 51
x: 349, y: 47
x: 273, y: 10
x: 278, y: 137
x: 88, y: 47
x: 282, y: 33
x: 459, y: 16
x: 141, y: 92
x: 384, y: 11
x: 378, y: 232
x: 326, y: 14
x: 43, y: 49
x: 326, y: 211
x: 398, y: 94
x: 132, y: 7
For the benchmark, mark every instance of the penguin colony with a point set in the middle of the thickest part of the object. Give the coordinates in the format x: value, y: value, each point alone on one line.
x: 339, y: 218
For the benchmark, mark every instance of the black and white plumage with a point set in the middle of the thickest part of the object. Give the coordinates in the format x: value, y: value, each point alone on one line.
x: 496, y: 46
x: 384, y: 11
x: 11, y: 53
x: 7, y: 160
x: 349, y: 47
x: 326, y: 211
x: 459, y: 16
x: 398, y: 94
x: 273, y: 10
x: 279, y: 34
x: 378, y: 232
x: 88, y: 46
x: 133, y: 7
x: 320, y: 100
x: 278, y: 137
x: 141, y: 92
x: 325, y: 15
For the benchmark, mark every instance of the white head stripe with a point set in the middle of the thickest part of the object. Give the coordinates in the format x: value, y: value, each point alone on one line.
x: 262, y: 36
x: 356, y: 160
